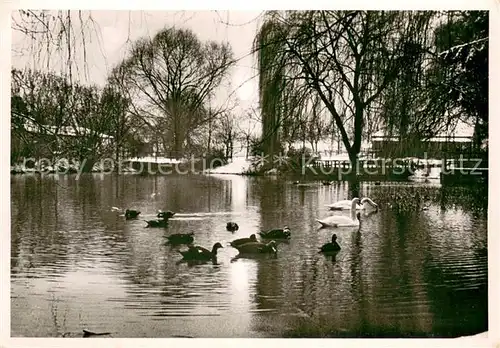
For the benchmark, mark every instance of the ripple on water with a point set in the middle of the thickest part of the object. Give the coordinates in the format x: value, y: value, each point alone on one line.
x: 75, y: 264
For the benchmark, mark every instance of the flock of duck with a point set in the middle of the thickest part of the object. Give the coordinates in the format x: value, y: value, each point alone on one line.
x: 251, y: 245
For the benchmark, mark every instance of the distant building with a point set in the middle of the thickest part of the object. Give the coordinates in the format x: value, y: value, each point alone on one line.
x: 436, y: 147
x: 64, y: 131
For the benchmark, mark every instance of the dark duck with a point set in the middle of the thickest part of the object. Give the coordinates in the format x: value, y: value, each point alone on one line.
x: 241, y: 241
x: 200, y: 253
x: 232, y: 226
x: 131, y: 214
x: 162, y: 220
x: 87, y: 333
x: 165, y: 214
x: 276, y: 233
x: 333, y: 246
x: 257, y: 248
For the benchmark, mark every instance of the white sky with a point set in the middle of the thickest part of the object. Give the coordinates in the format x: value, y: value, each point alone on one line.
x: 116, y: 29
x: 494, y: 199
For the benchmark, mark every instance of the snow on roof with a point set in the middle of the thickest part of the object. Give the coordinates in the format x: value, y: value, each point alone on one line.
x: 457, y: 48
x: 444, y: 138
x: 463, y: 133
x: 30, y: 126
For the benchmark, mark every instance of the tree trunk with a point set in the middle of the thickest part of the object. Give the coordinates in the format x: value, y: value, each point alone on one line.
x: 209, y: 135
x: 117, y: 151
x: 248, y: 146
x: 358, y: 130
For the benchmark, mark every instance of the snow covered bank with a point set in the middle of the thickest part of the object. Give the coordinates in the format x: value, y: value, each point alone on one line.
x: 239, y: 165
x: 483, y: 336
x: 160, y: 160
x: 242, y: 165
x: 339, y: 157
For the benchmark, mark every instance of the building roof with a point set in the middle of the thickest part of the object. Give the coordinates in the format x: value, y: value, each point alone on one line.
x: 437, y: 139
x: 33, y: 127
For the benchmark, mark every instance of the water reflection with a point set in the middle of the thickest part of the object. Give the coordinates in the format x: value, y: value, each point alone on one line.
x: 410, y: 269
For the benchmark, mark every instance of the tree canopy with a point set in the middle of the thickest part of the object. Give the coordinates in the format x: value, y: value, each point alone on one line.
x: 372, y: 70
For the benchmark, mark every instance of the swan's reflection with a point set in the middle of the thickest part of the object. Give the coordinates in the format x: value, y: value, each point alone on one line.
x: 254, y: 256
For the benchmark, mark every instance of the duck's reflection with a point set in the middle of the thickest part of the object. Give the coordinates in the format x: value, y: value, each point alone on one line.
x: 192, y: 263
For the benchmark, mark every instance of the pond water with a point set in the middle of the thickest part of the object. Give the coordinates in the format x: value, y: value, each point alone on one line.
x: 418, y: 270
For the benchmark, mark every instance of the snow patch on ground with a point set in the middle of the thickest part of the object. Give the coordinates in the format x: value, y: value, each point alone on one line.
x: 340, y: 157
x: 239, y: 165
x: 479, y: 336
x: 152, y: 159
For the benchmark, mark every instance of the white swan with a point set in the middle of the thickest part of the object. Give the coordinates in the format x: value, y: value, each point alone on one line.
x: 365, y: 204
x: 342, y: 221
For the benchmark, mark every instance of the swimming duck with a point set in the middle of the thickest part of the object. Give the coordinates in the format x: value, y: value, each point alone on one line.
x: 330, y: 247
x: 241, y: 241
x: 277, y: 233
x: 131, y: 214
x: 157, y: 223
x: 365, y: 204
x: 200, y: 253
x: 232, y: 226
x: 344, y: 205
x: 340, y: 220
x: 368, y: 204
x: 180, y: 238
x: 257, y: 248
x: 165, y: 214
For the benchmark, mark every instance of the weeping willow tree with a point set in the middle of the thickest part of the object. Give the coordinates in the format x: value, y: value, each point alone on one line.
x: 271, y: 63
x: 415, y: 103
x: 392, y: 71
x: 462, y: 46
x: 344, y: 58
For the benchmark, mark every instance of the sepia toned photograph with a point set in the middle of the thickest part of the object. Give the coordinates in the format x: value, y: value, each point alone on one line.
x: 249, y: 174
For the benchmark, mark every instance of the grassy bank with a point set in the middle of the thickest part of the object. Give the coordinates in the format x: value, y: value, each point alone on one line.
x: 313, y: 174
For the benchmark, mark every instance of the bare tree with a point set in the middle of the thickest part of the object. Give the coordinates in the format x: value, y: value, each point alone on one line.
x: 173, y: 76
x: 53, y: 117
x: 316, y: 125
x: 246, y: 129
